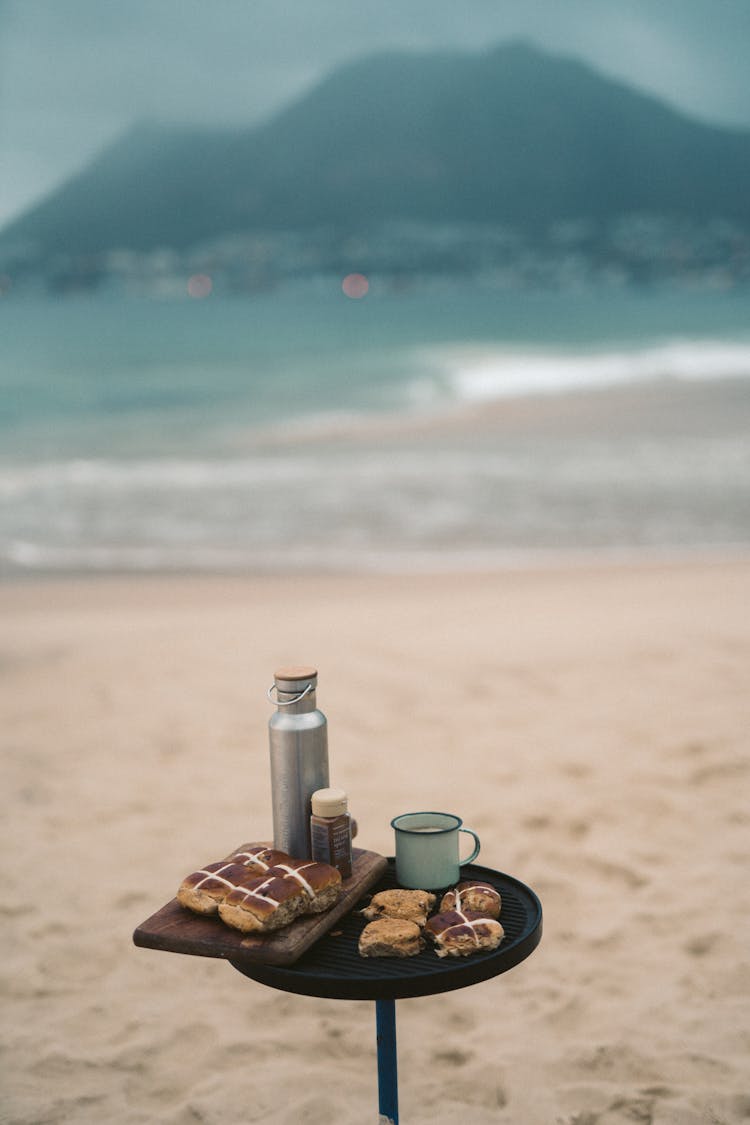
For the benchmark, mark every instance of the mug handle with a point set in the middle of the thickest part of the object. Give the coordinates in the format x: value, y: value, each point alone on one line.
x: 475, y: 853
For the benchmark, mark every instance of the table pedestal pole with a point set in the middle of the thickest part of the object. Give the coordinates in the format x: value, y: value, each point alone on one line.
x: 385, y: 1022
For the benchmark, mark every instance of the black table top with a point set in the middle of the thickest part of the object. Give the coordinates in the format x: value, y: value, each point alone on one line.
x: 333, y: 967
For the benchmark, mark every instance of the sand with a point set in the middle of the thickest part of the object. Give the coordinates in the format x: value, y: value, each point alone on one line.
x: 589, y: 721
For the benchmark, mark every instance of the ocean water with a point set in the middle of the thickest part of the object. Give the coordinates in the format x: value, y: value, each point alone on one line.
x: 300, y: 429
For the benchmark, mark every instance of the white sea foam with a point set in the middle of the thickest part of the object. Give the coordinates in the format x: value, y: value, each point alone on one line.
x: 167, y: 474
x: 476, y: 374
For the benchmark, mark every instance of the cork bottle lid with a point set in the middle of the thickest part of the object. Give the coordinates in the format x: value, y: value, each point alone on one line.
x: 329, y: 802
x: 296, y: 672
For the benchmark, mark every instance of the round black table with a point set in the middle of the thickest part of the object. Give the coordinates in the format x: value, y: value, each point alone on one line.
x: 334, y: 969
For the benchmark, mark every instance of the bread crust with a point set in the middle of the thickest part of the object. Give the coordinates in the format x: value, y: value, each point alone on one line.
x: 203, y: 891
x: 474, y: 895
x: 267, y: 903
x: 321, y: 882
x: 459, y: 933
x: 251, y: 901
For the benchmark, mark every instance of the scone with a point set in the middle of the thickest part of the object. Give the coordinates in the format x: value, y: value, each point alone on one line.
x: 411, y: 906
x: 204, y: 890
x: 481, y: 898
x: 459, y: 933
x: 390, y: 937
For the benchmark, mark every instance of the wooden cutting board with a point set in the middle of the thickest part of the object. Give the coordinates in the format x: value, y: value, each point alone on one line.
x: 176, y: 929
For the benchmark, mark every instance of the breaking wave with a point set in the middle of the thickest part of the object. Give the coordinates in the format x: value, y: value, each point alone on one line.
x: 476, y: 374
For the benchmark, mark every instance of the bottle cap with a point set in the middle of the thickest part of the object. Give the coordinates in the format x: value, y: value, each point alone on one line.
x: 296, y: 672
x: 295, y: 680
x: 329, y: 802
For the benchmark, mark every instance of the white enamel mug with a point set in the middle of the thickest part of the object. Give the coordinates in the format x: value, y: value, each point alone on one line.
x: 427, y: 849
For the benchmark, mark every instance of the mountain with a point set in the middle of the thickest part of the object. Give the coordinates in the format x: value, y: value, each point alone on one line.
x: 511, y: 136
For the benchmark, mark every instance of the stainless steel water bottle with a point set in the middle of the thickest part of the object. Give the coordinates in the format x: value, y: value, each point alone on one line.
x: 298, y: 737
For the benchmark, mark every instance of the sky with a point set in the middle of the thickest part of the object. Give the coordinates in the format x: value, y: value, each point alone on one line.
x: 75, y: 73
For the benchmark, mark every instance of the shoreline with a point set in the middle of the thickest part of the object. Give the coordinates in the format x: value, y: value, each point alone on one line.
x: 659, y: 469
x: 649, y: 470
x: 649, y: 405
x: 411, y: 567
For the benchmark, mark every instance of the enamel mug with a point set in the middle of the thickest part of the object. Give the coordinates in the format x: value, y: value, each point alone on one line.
x: 427, y: 849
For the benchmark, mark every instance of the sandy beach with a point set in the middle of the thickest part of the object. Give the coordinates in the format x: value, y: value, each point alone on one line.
x: 589, y: 721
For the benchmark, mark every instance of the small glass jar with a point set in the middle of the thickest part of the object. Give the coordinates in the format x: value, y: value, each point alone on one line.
x: 331, y: 830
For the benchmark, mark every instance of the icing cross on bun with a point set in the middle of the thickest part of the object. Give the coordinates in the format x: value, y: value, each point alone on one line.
x: 459, y: 933
x: 204, y: 890
x: 481, y: 898
x: 320, y: 881
x: 260, y: 858
x: 268, y: 903
x: 285, y: 892
x: 251, y: 900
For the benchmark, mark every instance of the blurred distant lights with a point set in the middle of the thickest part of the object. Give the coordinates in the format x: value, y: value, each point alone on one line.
x: 199, y: 286
x: 355, y: 285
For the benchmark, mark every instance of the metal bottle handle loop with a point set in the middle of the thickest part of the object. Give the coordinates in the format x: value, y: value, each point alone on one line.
x: 287, y: 702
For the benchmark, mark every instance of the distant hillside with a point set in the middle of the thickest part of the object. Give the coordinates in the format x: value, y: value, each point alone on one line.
x: 512, y: 136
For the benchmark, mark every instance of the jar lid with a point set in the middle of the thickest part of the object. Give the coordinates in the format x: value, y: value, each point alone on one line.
x: 329, y: 802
